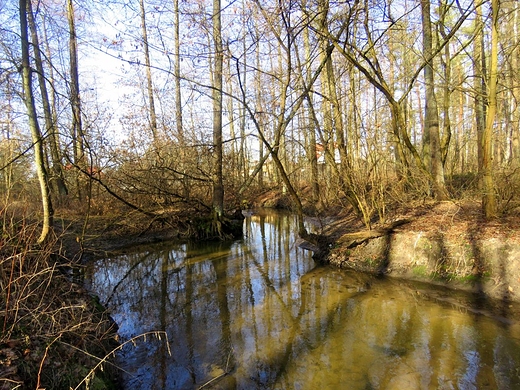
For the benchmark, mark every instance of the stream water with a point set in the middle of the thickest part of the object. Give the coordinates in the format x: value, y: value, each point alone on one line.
x: 259, y: 313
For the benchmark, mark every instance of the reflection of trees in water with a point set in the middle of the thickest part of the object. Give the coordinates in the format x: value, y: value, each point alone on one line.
x: 260, y: 308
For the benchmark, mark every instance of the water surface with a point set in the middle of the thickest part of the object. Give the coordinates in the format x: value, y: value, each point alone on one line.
x: 259, y: 313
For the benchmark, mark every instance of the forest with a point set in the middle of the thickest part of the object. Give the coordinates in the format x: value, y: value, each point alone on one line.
x: 181, y: 113
x: 169, y: 106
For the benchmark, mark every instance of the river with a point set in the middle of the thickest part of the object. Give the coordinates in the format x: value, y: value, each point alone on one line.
x: 259, y: 313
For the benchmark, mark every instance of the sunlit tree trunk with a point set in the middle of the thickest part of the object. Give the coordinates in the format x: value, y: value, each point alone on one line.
x: 311, y: 133
x: 177, y: 73
x: 260, y: 105
x: 9, y: 156
x: 434, y: 159
x: 218, y: 187
x: 232, y: 158
x: 50, y: 124
x: 75, y: 101
x: 179, y: 125
x: 513, y: 79
x: 28, y: 98
x: 479, y: 70
x: 489, y: 204
x: 151, y: 100
x: 243, y: 165
x: 326, y: 85
x: 53, y: 97
x: 447, y: 85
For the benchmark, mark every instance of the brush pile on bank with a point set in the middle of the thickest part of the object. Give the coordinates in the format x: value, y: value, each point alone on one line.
x: 53, y: 332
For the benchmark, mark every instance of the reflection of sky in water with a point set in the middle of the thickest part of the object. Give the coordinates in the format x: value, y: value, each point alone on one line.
x: 261, y: 310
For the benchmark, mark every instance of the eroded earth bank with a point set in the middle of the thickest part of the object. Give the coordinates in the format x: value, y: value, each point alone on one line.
x: 443, y: 243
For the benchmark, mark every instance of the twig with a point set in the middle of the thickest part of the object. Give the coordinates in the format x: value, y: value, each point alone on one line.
x: 43, y: 360
x: 8, y: 294
x: 18, y: 383
x: 119, y: 347
x: 226, y: 371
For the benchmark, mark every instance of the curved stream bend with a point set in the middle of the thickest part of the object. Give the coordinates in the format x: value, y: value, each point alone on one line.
x: 259, y: 313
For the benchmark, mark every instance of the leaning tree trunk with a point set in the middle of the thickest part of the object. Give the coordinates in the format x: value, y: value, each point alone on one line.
x: 28, y: 98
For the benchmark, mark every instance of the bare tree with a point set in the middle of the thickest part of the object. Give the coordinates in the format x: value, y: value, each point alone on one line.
x: 151, y: 100
x: 75, y: 101
x: 489, y: 204
x: 177, y: 74
x: 432, y: 135
x: 218, y: 186
x: 28, y: 97
x: 50, y: 123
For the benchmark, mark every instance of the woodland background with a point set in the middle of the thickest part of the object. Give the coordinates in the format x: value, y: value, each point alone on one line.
x: 195, y: 106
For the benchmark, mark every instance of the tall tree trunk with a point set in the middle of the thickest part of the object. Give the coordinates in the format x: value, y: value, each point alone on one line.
x: 178, y: 97
x: 311, y: 138
x: 8, y: 171
x: 242, y: 159
x: 513, y: 122
x: 75, y: 101
x: 28, y: 98
x: 489, y: 204
x: 446, y: 100
x: 431, y: 110
x: 151, y: 100
x: 479, y: 69
x: 218, y: 186
x: 53, y: 99
x: 233, y: 155
x: 260, y: 120
x: 50, y: 124
x: 177, y: 71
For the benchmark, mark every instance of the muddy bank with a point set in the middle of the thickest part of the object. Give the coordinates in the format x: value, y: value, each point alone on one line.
x: 444, y: 243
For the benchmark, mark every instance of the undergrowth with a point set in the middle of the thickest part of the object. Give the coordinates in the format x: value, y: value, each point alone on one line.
x: 52, y: 332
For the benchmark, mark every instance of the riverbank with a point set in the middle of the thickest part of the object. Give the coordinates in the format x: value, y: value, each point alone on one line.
x: 100, y: 236
x: 447, y: 243
x: 55, y: 333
